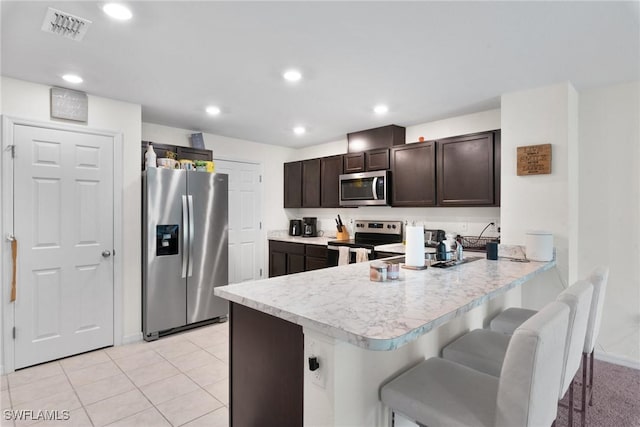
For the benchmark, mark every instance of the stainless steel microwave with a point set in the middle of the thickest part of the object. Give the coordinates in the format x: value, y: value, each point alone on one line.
x: 364, y: 189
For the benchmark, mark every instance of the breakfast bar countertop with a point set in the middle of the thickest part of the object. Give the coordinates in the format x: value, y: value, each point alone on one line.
x: 343, y: 303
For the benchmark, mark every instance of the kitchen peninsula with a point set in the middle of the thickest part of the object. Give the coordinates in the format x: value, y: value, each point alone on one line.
x: 360, y: 332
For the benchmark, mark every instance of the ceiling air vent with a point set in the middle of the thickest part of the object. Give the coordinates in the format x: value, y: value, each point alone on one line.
x: 65, y: 24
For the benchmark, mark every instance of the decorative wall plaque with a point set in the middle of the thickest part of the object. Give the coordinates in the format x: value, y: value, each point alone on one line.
x: 197, y: 140
x: 534, y: 160
x: 69, y: 104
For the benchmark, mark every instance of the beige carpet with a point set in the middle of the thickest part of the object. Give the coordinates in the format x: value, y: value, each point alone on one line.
x: 616, y: 398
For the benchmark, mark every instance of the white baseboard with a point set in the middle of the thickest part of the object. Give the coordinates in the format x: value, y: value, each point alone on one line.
x: 130, y: 339
x: 617, y: 360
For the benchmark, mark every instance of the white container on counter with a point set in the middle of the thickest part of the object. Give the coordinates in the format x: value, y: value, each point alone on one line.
x: 539, y: 245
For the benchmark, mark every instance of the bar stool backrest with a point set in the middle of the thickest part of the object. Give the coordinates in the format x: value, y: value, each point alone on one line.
x: 532, y: 368
x: 578, y: 298
x: 598, y: 279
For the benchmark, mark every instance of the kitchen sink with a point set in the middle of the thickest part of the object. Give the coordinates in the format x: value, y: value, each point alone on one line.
x: 453, y: 263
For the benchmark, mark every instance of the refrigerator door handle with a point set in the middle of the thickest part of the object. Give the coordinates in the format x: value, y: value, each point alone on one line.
x: 185, y: 226
x: 191, y: 236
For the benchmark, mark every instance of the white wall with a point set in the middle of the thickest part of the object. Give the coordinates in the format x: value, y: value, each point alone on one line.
x: 31, y: 101
x: 610, y: 209
x: 541, y: 202
x: 466, y: 221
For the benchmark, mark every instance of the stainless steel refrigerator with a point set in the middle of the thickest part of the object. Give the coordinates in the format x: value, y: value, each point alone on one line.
x: 185, y: 251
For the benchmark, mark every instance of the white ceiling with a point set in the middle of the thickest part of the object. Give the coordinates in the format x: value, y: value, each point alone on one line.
x: 426, y: 60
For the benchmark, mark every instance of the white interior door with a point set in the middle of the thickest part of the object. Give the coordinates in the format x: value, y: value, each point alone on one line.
x: 245, y: 248
x: 63, y: 202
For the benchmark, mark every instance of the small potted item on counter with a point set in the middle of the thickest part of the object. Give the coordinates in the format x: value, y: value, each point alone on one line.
x: 393, y: 270
x: 378, y: 271
x: 200, y: 165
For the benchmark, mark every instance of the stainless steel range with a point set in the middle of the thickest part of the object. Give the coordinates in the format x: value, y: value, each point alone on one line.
x: 367, y: 235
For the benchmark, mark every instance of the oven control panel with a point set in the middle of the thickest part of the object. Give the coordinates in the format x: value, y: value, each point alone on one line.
x: 378, y: 227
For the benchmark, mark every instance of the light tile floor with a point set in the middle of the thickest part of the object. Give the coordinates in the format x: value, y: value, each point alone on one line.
x: 180, y: 380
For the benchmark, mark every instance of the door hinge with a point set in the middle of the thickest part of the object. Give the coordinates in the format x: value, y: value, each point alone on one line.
x: 260, y: 178
x: 11, y: 148
x: 114, y: 252
x: 13, y: 333
x: 260, y: 225
x: 260, y: 272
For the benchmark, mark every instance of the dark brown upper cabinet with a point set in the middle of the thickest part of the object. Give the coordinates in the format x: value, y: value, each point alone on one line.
x: 376, y: 160
x: 466, y: 174
x: 372, y: 160
x: 370, y: 139
x: 293, y: 185
x: 353, y: 162
x: 311, y: 183
x: 413, y: 179
x: 330, y: 170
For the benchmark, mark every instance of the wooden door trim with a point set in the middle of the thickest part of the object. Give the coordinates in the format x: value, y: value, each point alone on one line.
x: 7, y: 311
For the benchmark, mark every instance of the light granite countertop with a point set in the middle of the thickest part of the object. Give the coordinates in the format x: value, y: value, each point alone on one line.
x: 343, y: 303
x: 283, y: 236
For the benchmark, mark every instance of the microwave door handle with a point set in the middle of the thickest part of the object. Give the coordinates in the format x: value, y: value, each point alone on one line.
x: 375, y: 185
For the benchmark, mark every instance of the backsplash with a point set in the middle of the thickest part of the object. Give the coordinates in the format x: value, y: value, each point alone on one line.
x: 463, y: 221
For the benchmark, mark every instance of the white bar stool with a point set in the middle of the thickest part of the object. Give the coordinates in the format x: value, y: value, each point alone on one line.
x: 484, y: 350
x: 507, y: 321
x: 438, y: 392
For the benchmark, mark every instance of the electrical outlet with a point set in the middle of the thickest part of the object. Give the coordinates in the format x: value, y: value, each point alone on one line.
x: 494, y: 226
x: 463, y: 227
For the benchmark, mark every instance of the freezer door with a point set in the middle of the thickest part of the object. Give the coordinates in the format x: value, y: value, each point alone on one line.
x: 164, y: 287
x: 209, y: 245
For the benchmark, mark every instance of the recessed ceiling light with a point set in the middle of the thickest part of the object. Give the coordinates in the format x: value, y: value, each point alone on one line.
x: 117, y: 11
x: 72, y: 78
x: 213, y: 110
x: 292, y: 75
x: 380, y: 109
x: 299, y: 130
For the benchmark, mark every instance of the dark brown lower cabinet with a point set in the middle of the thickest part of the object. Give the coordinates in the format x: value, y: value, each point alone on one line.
x: 266, y: 369
x: 290, y: 258
x: 315, y: 257
x: 295, y: 263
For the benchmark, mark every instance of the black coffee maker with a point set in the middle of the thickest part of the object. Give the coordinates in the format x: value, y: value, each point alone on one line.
x: 295, y: 227
x: 309, y: 226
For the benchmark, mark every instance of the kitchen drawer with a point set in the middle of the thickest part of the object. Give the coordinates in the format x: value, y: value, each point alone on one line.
x: 287, y: 247
x: 316, y: 251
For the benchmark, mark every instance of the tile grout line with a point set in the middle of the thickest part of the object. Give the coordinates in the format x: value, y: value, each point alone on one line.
x: 77, y: 395
x: 140, y: 391
x: 197, y: 384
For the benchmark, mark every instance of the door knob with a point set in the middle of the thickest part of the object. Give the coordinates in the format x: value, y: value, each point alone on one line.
x: 106, y: 254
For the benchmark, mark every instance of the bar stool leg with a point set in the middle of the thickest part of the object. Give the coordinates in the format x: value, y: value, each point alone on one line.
x: 571, y: 404
x: 591, y: 381
x: 584, y: 390
x: 393, y: 419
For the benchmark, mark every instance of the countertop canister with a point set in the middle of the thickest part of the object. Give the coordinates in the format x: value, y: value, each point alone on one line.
x: 539, y: 245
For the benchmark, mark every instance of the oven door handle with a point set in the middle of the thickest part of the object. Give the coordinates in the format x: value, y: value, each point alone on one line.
x: 336, y: 248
